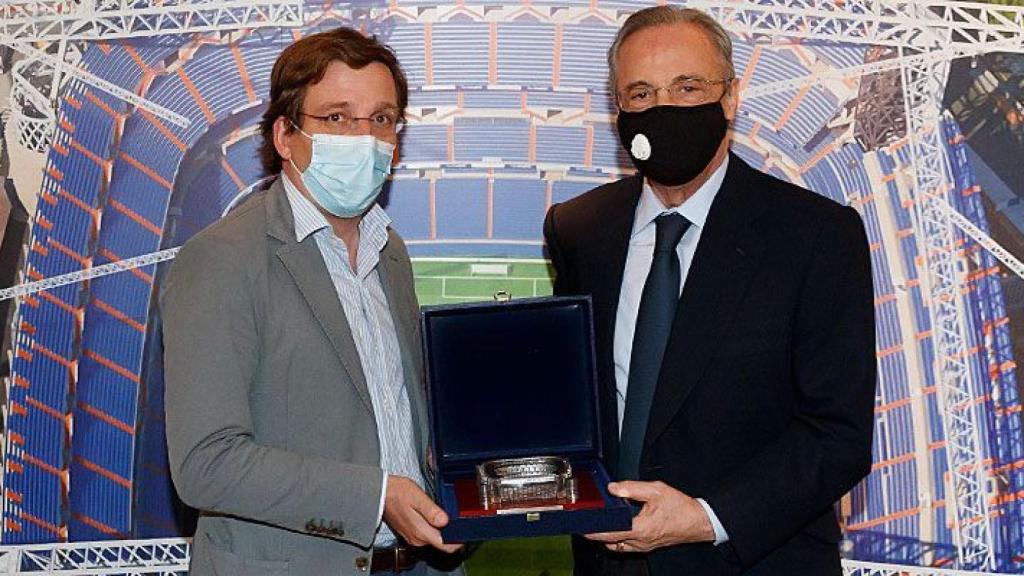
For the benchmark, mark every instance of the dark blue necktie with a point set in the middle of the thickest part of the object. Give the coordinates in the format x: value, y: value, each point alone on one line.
x: 653, y: 324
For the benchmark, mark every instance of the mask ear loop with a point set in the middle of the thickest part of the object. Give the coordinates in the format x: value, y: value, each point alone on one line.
x: 303, y: 132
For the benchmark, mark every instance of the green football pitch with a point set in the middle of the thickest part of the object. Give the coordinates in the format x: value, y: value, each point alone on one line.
x: 452, y: 280
x: 524, y: 557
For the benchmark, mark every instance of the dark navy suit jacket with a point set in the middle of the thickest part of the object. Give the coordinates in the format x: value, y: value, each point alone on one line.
x: 764, y: 405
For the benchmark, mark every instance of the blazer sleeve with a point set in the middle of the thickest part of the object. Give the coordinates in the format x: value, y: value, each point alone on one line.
x: 826, y: 449
x: 211, y: 352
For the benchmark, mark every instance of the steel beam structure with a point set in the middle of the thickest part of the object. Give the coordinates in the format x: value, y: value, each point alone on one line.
x: 945, y: 274
x: 55, y: 20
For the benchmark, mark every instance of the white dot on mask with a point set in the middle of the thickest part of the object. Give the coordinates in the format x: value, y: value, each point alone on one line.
x: 640, y: 147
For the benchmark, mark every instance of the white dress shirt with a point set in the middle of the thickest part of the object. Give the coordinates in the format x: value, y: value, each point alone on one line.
x: 638, y: 263
x: 366, y: 308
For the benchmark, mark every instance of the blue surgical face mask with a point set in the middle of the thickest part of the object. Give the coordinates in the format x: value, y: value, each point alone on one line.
x: 346, y: 173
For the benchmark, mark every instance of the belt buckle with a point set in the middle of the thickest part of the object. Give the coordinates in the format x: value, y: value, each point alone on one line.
x: 395, y: 554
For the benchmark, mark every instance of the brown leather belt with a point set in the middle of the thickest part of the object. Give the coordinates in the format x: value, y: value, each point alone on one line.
x: 394, y: 560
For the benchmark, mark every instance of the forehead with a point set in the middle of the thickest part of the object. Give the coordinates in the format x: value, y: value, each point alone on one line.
x: 659, y: 54
x: 366, y: 88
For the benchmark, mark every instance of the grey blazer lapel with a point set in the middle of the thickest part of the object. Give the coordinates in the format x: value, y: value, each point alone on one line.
x: 397, y: 283
x: 306, y: 266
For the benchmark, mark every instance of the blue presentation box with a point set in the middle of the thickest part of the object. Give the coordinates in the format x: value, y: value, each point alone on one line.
x: 508, y: 380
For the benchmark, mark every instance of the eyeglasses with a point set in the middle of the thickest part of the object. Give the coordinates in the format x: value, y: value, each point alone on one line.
x: 384, y: 123
x: 682, y: 92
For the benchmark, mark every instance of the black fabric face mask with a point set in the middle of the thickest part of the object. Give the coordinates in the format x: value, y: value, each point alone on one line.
x: 671, y: 145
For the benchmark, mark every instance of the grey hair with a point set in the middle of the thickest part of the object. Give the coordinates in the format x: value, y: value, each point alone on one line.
x: 664, y: 15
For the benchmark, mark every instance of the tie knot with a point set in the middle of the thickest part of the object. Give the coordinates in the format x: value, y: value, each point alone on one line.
x: 670, y: 228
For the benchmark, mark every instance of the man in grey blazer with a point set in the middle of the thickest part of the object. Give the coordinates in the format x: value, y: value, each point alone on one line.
x: 295, y: 408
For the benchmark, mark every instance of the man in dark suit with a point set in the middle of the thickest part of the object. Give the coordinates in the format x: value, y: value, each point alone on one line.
x: 735, y: 327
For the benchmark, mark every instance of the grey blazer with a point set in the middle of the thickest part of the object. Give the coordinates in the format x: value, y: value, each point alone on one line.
x: 270, y: 428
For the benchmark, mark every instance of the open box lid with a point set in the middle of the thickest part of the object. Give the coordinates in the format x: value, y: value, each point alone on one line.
x: 511, y: 379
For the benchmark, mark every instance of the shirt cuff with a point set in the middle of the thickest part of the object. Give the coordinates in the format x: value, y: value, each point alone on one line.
x: 721, y: 536
x: 383, y: 494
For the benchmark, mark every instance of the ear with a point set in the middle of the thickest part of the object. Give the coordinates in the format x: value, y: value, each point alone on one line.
x: 731, y: 100
x: 283, y: 131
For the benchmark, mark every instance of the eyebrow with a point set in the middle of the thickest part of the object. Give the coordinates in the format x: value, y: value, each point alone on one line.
x: 679, y: 78
x: 682, y: 77
x: 345, y: 106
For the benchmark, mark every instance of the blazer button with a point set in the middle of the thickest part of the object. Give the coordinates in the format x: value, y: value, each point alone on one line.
x: 363, y: 563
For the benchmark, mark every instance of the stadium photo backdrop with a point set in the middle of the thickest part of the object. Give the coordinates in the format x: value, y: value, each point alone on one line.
x: 131, y: 125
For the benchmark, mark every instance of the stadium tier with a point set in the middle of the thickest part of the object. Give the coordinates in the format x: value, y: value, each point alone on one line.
x: 506, y: 118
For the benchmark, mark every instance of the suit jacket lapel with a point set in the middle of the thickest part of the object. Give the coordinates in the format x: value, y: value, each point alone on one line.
x: 607, y: 266
x: 729, y: 253
x: 306, y: 266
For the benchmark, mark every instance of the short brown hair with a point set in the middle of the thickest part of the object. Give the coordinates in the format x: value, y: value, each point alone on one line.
x: 304, y: 63
x: 664, y: 15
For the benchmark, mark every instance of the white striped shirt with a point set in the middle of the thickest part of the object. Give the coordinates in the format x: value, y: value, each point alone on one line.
x: 373, y: 329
